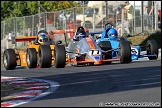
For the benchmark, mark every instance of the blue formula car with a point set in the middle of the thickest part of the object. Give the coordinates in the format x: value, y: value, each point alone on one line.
x: 109, y: 38
x: 151, y: 51
x: 116, y: 48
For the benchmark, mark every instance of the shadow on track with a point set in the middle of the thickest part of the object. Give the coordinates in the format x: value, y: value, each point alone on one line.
x: 96, y: 80
x: 105, y: 81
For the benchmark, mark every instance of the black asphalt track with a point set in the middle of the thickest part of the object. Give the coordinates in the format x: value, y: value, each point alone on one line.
x: 91, y: 86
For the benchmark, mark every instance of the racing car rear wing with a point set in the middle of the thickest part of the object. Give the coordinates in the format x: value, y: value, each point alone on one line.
x: 92, y: 33
x: 23, y: 39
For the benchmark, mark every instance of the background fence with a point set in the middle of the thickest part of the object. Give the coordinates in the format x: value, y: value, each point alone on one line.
x: 92, y: 18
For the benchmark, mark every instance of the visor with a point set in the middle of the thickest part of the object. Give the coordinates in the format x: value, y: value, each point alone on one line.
x: 43, y: 36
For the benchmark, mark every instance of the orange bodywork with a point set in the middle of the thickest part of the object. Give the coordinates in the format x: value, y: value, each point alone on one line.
x: 74, y: 61
x: 25, y: 38
x: 84, y: 61
x: 117, y: 59
x: 22, y: 55
x: 29, y: 39
x: 90, y: 43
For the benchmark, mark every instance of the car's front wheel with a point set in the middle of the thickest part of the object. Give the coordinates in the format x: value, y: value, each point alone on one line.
x: 9, y: 59
x: 125, y: 51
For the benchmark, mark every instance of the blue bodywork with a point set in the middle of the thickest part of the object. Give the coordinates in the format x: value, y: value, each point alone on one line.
x: 136, y: 53
x: 135, y: 49
x: 114, y: 41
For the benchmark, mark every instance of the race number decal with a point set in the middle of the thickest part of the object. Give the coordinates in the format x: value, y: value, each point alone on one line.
x: 134, y: 51
x: 94, y: 52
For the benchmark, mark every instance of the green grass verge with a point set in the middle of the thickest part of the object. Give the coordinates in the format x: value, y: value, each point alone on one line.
x: 141, y: 40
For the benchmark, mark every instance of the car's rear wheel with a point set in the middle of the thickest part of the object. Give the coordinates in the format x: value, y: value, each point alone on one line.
x: 31, y: 58
x: 125, y: 52
x: 59, y: 56
x: 44, y: 56
x: 9, y: 59
x: 152, y: 48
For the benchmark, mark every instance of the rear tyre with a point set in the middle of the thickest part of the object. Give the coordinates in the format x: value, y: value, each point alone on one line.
x: 125, y: 52
x: 59, y: 56
x: 44, y: 56
x: 31, y: 58
x: 9, y: 59
x: 152, y: 48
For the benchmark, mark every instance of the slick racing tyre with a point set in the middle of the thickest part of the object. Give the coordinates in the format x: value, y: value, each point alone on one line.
x: 59, y: 56
x: 31, y: 58
x: 152, y: 48
x: 9, y: 59
x: 44, y: 56
x: 125, y: 51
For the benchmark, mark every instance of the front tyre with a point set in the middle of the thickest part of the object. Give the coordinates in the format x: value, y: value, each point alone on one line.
x: 125, y: 52
x: 9, y: 59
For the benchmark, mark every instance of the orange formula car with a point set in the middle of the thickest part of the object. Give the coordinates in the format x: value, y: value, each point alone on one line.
x: 40, y: 53
x: 83, y: 50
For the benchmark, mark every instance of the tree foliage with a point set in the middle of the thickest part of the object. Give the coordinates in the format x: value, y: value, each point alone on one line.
x: 23, y: 8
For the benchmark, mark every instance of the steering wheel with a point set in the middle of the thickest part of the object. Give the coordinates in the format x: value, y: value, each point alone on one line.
x: 108, y: 25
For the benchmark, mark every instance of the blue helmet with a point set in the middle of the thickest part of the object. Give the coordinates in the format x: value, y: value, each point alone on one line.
x: 41, y: 37
x: 112, y: 33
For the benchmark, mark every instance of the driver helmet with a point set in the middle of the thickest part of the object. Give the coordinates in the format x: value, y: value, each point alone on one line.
x: 41, y: 37
x: 112, y: 33
x: 81, y: 34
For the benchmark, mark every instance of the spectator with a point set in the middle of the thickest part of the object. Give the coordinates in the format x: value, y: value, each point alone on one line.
x: 119, y: 28
x: 8, y: 39
x: 150, y: 11
x: 110, y: 21
x: 40, y: 25
x: 129, y: 10
x: 56, y: 16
